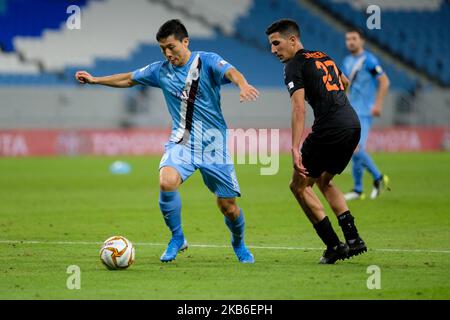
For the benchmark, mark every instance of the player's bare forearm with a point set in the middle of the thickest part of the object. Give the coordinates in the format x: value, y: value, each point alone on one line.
x: 298, y: 125
x: 236, y: 77
x: 298, y: 117
x: 382, y: 91
x: 121, y: 80
x: 248, y: 92
x: 345, y: 81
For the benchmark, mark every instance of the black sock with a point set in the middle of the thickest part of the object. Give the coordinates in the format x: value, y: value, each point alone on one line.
x: 346, y: 221
x: 326, y: 233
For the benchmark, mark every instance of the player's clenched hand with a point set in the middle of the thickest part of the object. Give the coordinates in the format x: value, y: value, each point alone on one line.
x: 376, y: 110
x: 248, y: 93
x: 298, y: 165
x: 84, y: 77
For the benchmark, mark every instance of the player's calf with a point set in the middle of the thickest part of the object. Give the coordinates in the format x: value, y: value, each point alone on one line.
x: 237, y: 229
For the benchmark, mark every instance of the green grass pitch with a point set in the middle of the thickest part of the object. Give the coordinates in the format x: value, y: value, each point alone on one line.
x: 55, y: 212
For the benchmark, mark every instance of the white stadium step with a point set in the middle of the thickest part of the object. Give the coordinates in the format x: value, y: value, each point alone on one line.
x: 416, y: 5
x: 10, y: 63
x: 219, y: 12
x: 109, y: 29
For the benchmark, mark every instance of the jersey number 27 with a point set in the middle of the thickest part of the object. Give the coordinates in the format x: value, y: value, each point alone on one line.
x: 331, y: 73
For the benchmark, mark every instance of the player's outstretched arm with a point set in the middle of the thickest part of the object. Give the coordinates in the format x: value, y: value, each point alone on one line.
x: 248, y: 92
x: 121, y: 80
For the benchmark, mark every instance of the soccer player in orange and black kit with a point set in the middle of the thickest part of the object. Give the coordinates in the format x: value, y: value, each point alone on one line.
x: 313, y: 76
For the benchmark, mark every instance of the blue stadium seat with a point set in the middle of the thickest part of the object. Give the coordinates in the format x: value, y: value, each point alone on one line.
x: 248, y: 52
x: 407, y: 33
x: 316, y: 33
x: 30, y: 18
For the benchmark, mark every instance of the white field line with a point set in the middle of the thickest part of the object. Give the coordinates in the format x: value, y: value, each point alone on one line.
x: 211, y: 246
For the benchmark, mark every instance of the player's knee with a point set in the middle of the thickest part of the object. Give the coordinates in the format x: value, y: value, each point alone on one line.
x: 357, y: 155
x: 168, y: 182
x: 229, y: 209
x: 360, y: 150
x: 292, y: 186
x: 323, y: 184
x: 296, y: 188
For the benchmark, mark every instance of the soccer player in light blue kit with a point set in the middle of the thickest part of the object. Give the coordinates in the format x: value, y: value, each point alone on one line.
x: 368, y: 86
x: 191, y: 82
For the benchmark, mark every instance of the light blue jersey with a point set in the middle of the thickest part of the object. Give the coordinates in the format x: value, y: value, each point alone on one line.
x: 362, y: 71
x: 199, y: 132
x: 192, y: 94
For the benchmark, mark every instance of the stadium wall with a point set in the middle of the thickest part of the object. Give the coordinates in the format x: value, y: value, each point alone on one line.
x: 22, y: 143
x: 71, y: 107
x: 45, y: 121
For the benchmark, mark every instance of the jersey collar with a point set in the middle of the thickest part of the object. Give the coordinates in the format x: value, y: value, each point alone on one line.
x: 188, y: 63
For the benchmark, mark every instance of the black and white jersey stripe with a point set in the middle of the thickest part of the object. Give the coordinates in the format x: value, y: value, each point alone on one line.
x: 187, y: 101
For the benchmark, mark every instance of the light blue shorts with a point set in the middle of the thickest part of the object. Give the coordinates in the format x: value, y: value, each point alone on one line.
x: 220, y: 178
x: 366, y: 125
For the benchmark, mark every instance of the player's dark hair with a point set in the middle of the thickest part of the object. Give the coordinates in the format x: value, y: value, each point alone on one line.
x: 358, y: 31
x: 285, y: 27
x: 172, y: 27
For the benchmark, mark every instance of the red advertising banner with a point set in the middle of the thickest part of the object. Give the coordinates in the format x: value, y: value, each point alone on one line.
x: 19, y: 143
x: 78, y: 142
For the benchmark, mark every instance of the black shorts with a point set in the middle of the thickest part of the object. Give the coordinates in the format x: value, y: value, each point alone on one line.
x: 329, y: 151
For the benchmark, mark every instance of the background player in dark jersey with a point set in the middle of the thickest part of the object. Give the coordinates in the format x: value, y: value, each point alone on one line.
x: 312, y: 75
